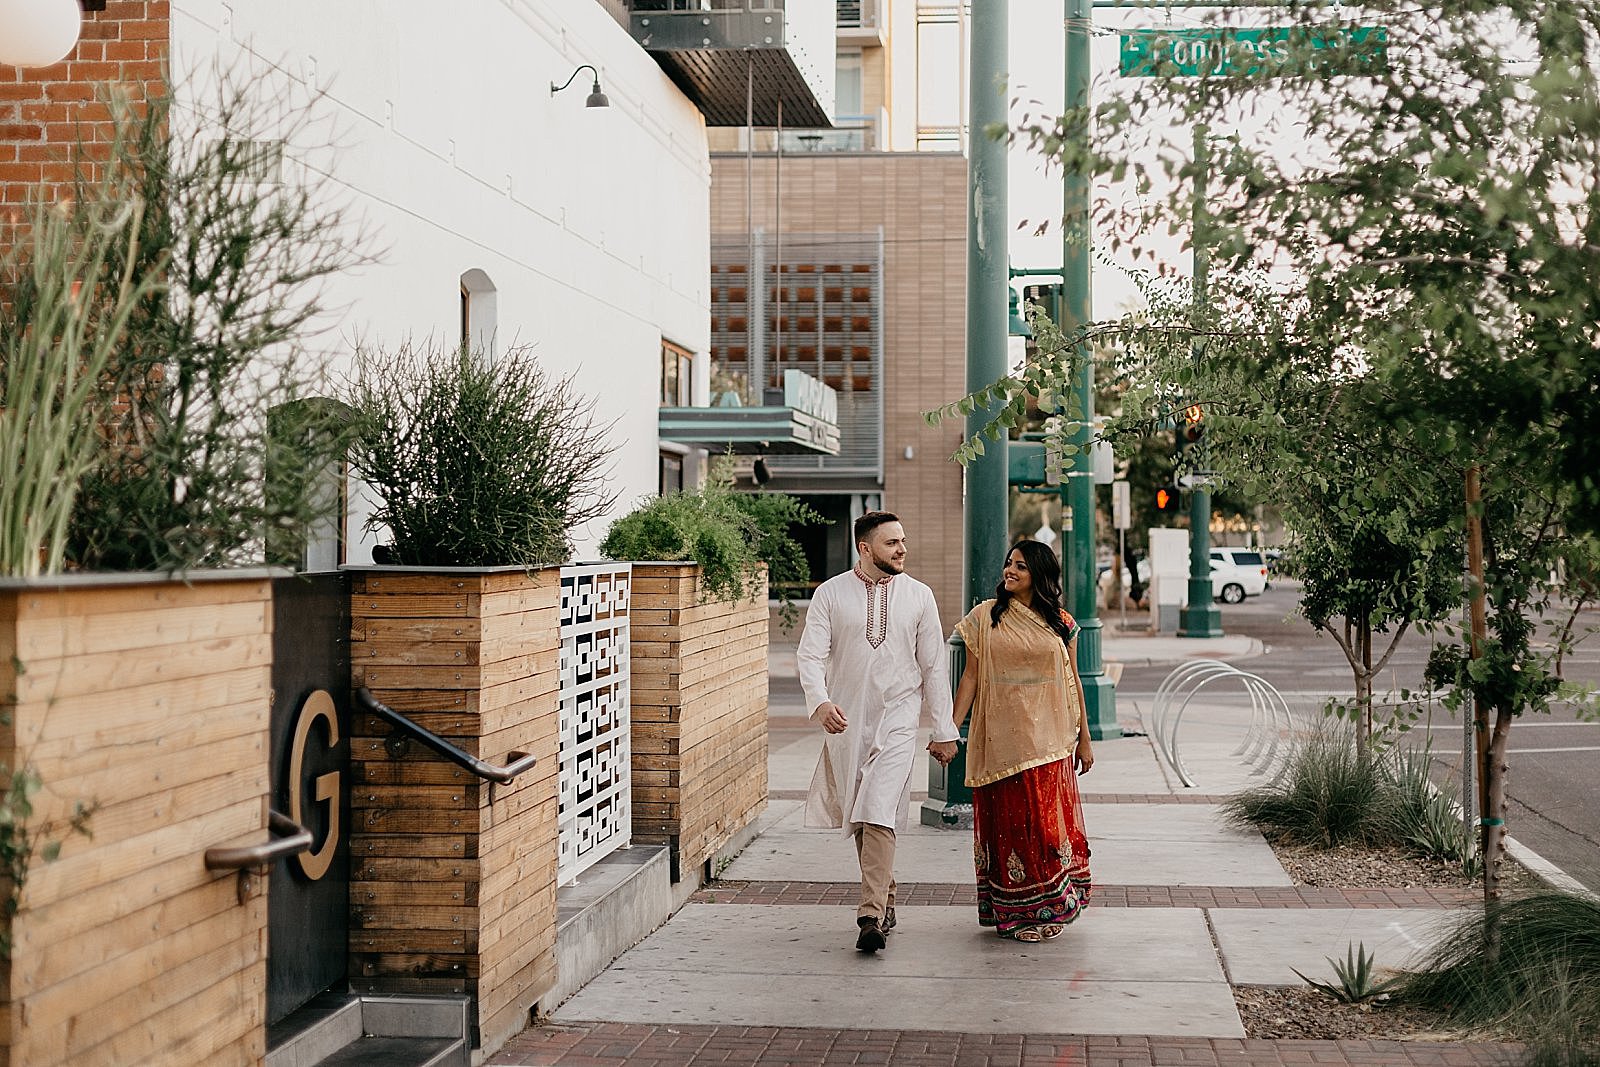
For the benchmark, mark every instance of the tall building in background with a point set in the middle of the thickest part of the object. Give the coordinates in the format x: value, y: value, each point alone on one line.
x: 840, y: 251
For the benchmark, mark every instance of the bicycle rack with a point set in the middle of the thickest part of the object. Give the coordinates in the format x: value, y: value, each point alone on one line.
x: 1271, y: 719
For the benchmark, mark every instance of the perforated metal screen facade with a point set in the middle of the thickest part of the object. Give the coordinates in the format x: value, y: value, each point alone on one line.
x: 825, y: 319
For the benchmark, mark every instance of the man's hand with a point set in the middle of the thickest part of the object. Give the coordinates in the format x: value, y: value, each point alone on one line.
x: 943, y: 751
x: 832, y: 717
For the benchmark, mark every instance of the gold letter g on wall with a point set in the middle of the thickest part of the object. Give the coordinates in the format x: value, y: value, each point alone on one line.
x: 319, y: 705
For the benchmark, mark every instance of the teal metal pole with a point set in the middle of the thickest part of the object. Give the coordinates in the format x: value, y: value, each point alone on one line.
x: 988, y: 292
x: 1100, y: 694
x: 1200, y: 617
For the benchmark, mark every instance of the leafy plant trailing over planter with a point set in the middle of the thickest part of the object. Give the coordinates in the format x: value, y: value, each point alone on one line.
x: 730, y: 534
x: 478, y: 461
x: 21, y: 843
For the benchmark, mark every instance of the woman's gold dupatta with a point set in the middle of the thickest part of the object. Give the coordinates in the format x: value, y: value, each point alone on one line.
x: 1027, y: 707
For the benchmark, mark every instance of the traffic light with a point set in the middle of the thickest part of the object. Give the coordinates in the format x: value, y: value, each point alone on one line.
x: 1166, y: 500
x: 1193, y: 431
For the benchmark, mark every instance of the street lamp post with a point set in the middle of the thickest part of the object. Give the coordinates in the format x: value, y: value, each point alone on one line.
x: 1099, y: 693
x: 1200, y: 617
x: 988, y: 287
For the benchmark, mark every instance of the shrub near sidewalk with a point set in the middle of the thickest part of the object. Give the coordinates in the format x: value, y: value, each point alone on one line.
x: 1532, y: 971
x: 1329, y: 794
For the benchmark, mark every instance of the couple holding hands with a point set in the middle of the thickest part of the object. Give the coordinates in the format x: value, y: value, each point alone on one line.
x: 873, y: 656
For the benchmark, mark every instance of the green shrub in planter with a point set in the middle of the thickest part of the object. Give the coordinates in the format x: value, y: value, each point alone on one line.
x: 730, y: 534
x: 479, y: 461
x: 209, y: 457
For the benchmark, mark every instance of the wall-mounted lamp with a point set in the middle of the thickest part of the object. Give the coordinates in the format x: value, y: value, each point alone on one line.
x: 38, y: 33
x: 596, y: 97
x: 759, y: 473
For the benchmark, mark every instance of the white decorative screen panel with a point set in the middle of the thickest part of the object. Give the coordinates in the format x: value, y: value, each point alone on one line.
x: 596, y: 809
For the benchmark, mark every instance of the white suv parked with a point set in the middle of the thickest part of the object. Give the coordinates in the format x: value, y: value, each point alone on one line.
x: 1237, y: 573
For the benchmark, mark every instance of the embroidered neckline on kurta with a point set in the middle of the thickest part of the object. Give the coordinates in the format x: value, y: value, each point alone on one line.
x: 877, y: 607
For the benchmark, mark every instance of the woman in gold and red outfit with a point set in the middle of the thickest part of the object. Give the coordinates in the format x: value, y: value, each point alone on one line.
x: 1027, y: 740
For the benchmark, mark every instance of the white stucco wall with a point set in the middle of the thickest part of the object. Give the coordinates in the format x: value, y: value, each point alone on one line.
x: 592, y: 224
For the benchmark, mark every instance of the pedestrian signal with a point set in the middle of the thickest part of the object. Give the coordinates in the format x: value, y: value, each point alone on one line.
x: 1166, y: 500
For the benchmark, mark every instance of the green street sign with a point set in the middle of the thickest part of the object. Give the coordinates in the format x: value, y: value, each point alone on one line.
x: 1276, y: 50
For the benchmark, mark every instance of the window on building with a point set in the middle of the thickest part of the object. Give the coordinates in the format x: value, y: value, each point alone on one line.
x: 479, y: 311
x: 847, y: 84
x: 677, y: 376
x: 671, y: 473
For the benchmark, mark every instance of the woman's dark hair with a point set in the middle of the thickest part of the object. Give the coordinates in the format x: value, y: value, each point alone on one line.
x: 1046, y: 571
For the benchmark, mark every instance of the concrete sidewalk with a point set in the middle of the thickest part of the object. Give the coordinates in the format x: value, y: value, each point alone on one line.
x: 761, y: 968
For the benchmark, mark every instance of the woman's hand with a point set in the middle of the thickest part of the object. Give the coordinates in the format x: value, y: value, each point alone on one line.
x: 1083, y: 755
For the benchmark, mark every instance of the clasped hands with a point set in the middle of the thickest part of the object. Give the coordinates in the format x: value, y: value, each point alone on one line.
x: 833, y: 720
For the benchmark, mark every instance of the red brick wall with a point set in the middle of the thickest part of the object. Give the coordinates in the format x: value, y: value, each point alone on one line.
x: 44, y: 111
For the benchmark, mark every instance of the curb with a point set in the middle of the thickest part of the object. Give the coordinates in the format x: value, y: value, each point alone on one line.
x: 1253, y: 649
x: 1547, y: 871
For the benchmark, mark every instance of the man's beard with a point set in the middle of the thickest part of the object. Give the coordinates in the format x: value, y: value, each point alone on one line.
x: 888, y: 564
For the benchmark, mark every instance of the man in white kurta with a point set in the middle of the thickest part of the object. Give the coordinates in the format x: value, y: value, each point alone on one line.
x: 872, y: 657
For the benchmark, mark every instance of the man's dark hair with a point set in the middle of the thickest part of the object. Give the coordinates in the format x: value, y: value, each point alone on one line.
x: 871, y: 521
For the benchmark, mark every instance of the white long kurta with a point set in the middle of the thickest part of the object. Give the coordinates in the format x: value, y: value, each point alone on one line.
x: 864, y: 773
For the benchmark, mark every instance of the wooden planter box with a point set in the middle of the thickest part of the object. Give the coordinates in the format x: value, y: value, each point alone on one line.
x: 699, y: 713
x: 453, y: 887
x: 149, y: 700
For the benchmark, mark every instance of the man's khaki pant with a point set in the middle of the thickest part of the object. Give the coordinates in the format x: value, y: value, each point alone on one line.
x: 875, y: 850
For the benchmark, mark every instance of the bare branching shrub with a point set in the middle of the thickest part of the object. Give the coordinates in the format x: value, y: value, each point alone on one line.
x: 479, y: 461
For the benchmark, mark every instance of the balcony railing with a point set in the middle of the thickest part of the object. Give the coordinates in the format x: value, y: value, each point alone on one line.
x: 707, y: 5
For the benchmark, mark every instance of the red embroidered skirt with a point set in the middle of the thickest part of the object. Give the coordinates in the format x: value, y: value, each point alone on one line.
x: 1030, y: 849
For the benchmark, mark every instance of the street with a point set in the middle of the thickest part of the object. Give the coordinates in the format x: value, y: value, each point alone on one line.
x: 1554, y: 804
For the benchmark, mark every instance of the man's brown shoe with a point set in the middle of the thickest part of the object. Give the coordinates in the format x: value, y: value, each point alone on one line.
x: 870, y: 939
x: 888, y: 921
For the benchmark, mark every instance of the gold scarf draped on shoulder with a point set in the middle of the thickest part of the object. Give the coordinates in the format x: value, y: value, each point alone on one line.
x: 1028, y: 705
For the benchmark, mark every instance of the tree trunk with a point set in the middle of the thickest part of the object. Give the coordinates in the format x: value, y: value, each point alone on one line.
x: 1494, y: 822
x: 1480, y: 711
x: 1366, y: 680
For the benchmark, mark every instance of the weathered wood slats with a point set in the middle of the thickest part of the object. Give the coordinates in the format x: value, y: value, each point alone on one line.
x: 699, y: 700
x: 450, y: 892
x: 148, y: 701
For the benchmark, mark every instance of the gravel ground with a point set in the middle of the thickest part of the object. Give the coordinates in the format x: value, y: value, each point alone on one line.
x: 1365, y: 867
x: 1302, y: 1012
x: 1274, y: 1012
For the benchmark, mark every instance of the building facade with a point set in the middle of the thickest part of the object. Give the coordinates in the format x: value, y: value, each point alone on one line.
x: 858, y: 234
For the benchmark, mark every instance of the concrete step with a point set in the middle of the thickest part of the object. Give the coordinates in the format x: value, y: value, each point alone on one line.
x: 399, y: 1052
x: 344, y: 1030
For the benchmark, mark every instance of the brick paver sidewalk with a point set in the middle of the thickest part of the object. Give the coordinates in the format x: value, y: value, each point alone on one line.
x: 1104, y: 896
x: 606, y: 1044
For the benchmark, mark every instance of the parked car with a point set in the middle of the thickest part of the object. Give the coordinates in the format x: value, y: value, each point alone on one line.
x: 1246, y: 559
x: 1230, y: 583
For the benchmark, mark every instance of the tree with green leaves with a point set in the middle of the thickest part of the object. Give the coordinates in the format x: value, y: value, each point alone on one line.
x: 1440, y: 215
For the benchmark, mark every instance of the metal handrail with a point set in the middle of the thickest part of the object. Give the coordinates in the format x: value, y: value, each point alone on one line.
x: 521, y: 762
x: 288, y: 838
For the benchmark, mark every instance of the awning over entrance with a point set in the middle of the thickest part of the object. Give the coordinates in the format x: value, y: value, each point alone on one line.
x: 775, y: 431
x: 805, y: 423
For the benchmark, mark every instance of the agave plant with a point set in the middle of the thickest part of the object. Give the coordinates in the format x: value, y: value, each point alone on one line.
x: 1356, y: 978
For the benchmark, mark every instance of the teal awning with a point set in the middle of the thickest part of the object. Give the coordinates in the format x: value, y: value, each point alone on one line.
x: 771, y: 431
